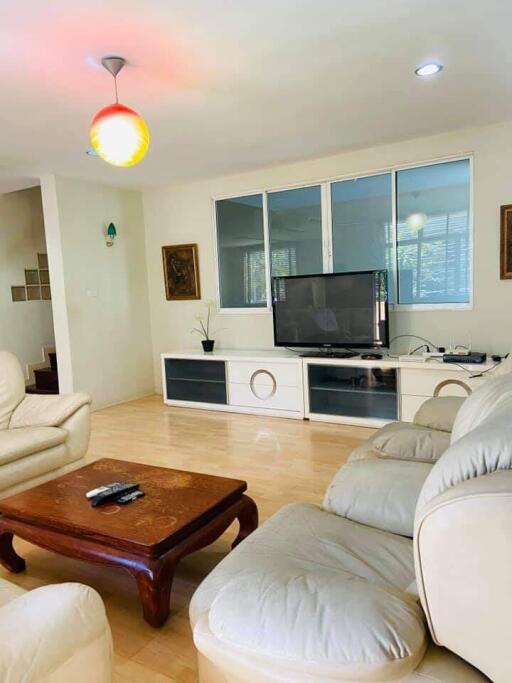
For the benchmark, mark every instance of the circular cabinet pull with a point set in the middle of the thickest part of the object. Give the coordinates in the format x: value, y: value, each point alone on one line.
x: 263, y: 397
x: 446, y: 382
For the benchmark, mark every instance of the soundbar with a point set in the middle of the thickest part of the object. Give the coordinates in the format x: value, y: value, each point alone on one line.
x: 471, y: 357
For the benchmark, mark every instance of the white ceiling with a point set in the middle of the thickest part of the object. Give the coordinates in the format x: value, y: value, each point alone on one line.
x: 226, y: 85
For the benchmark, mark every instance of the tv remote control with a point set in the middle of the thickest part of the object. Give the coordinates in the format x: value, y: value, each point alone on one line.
x: 94, y: 492
x: 128, y: 497
x: 113, y: 493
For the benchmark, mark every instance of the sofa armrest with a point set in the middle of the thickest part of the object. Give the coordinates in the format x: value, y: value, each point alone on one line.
x: 38, y: 410
x: 42, y: 631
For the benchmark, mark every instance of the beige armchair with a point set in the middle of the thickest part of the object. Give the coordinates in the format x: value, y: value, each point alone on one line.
x: 54, y: 634
x: 41, y: 437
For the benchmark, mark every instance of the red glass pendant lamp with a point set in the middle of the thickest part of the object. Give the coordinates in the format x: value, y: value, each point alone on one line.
x: 119, y: 135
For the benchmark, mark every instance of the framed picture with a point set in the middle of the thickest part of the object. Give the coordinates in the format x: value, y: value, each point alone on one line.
x: 181, y: 272
x: 506, y: 242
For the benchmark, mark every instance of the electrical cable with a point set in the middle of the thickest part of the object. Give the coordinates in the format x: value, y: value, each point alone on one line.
x: 463, y: 367
x: 422, y: 346
x: 413, y: 336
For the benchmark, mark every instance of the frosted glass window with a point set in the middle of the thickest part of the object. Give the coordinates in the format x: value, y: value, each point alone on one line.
x: 433, y: 236
x: 295, y: 227
x: 427, y: 252
x: 241, y: 252
x: 362, y: 234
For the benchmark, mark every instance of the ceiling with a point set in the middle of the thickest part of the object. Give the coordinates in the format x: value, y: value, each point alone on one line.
x: 228, y: 85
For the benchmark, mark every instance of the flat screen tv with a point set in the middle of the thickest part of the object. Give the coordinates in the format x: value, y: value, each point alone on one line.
x: 331, y: 310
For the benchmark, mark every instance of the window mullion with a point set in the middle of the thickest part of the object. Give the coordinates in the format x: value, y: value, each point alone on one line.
x: 268, y: 258
x: 394, y: 236
x: 327, y: 227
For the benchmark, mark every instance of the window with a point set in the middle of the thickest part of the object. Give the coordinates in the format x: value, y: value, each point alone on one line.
x: 362, y: 225
x: 241, y: 252
x: 433, y: 238
x: 412, y: 222
x: 255, y: 284
x: 295, y: 229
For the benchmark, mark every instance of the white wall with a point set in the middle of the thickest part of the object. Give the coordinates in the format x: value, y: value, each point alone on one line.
x: 25, y: 327
x: 184, y: 214
x: 100, y: 293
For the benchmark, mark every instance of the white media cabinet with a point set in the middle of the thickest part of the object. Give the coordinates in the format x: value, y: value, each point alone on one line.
x: 282, y: 384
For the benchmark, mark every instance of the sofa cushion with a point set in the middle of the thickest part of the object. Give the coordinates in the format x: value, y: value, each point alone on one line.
x: 319, y: 594
x: 482, y: 451
x: 411, y: 442
x: 380, y: 493
x: 12, y: 386
x: 18, y: 443
x: 494, y: 396
x: 366, y: 451
x: 439, y: 413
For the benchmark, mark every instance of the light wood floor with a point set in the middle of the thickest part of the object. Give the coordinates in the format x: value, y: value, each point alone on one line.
x: 282, y: 461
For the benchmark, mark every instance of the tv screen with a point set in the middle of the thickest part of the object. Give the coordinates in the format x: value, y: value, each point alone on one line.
x: 333, y: 310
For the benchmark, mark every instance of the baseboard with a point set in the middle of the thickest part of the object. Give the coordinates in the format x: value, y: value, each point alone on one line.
x: 100, y: 406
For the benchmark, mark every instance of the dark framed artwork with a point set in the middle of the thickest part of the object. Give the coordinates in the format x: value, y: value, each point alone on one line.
x: 506, y: 243
x: 181, y: 272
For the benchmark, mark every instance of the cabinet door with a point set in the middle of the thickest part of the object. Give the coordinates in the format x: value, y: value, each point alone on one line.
x: 422, y: 382
x: 195, y: 380
x: 261, y: 396
x: 353, y: 391
x: 265, y: 374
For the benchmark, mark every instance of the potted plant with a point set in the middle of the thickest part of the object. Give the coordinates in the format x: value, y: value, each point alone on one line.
x: 204, y: 328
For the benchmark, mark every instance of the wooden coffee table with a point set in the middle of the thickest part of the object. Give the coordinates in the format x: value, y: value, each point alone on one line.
x: 180, y: 513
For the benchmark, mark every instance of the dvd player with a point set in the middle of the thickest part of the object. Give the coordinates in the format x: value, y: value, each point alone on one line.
x: 471, y: 357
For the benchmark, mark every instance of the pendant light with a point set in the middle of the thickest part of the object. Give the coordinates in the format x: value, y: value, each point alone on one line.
x: 118, y: 134
x: 416, y: 221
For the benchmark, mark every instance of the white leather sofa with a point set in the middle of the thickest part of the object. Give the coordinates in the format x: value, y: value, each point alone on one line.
x: 54, y: 634
x: 403, y: 574
x: 41, y: 437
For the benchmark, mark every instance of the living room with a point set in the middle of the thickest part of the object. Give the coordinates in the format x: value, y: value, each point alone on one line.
x: 266, y: 291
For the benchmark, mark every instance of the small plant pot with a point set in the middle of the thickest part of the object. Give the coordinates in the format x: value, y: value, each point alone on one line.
x: 208, y: 345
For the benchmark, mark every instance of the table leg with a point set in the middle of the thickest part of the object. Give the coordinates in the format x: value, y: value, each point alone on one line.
x: 248, y: 519
x: 9, y: 558
x: 154, y: 583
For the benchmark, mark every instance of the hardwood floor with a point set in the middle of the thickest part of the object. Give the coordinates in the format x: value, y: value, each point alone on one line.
x: 282, y: 460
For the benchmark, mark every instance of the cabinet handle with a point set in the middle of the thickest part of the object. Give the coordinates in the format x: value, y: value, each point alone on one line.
x: 446, y: 382
x: 253, y: 378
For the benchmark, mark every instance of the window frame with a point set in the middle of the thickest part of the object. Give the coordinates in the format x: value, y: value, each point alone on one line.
x: 327, y: 237
x: 467, y: 306
x: 246, y: 310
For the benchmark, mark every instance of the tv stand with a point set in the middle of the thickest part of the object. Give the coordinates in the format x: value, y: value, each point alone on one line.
x: 329, y: 354
x: 361, y: 391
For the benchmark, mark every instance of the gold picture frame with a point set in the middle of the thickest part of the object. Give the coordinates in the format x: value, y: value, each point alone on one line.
x: 506, y: 242
x: 181, y: 272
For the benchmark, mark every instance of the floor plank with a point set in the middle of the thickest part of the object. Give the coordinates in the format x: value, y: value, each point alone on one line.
x: 282, y: 460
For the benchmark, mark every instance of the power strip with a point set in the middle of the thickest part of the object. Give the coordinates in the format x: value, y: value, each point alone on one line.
x: 411, y: 358
x: 432, y: 354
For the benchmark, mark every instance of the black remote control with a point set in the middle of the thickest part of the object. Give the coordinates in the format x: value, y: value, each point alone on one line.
x: 113, y: 493
x: 128, y: 497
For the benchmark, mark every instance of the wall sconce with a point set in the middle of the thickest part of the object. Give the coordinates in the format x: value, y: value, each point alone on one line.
x: 111, y: 234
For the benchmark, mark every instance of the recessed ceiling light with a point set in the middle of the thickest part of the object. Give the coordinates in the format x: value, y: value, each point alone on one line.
x: 91, y: 152
x: 428, y: 69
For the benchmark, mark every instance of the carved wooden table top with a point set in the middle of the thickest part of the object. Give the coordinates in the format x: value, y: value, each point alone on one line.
x: 180, y: 513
